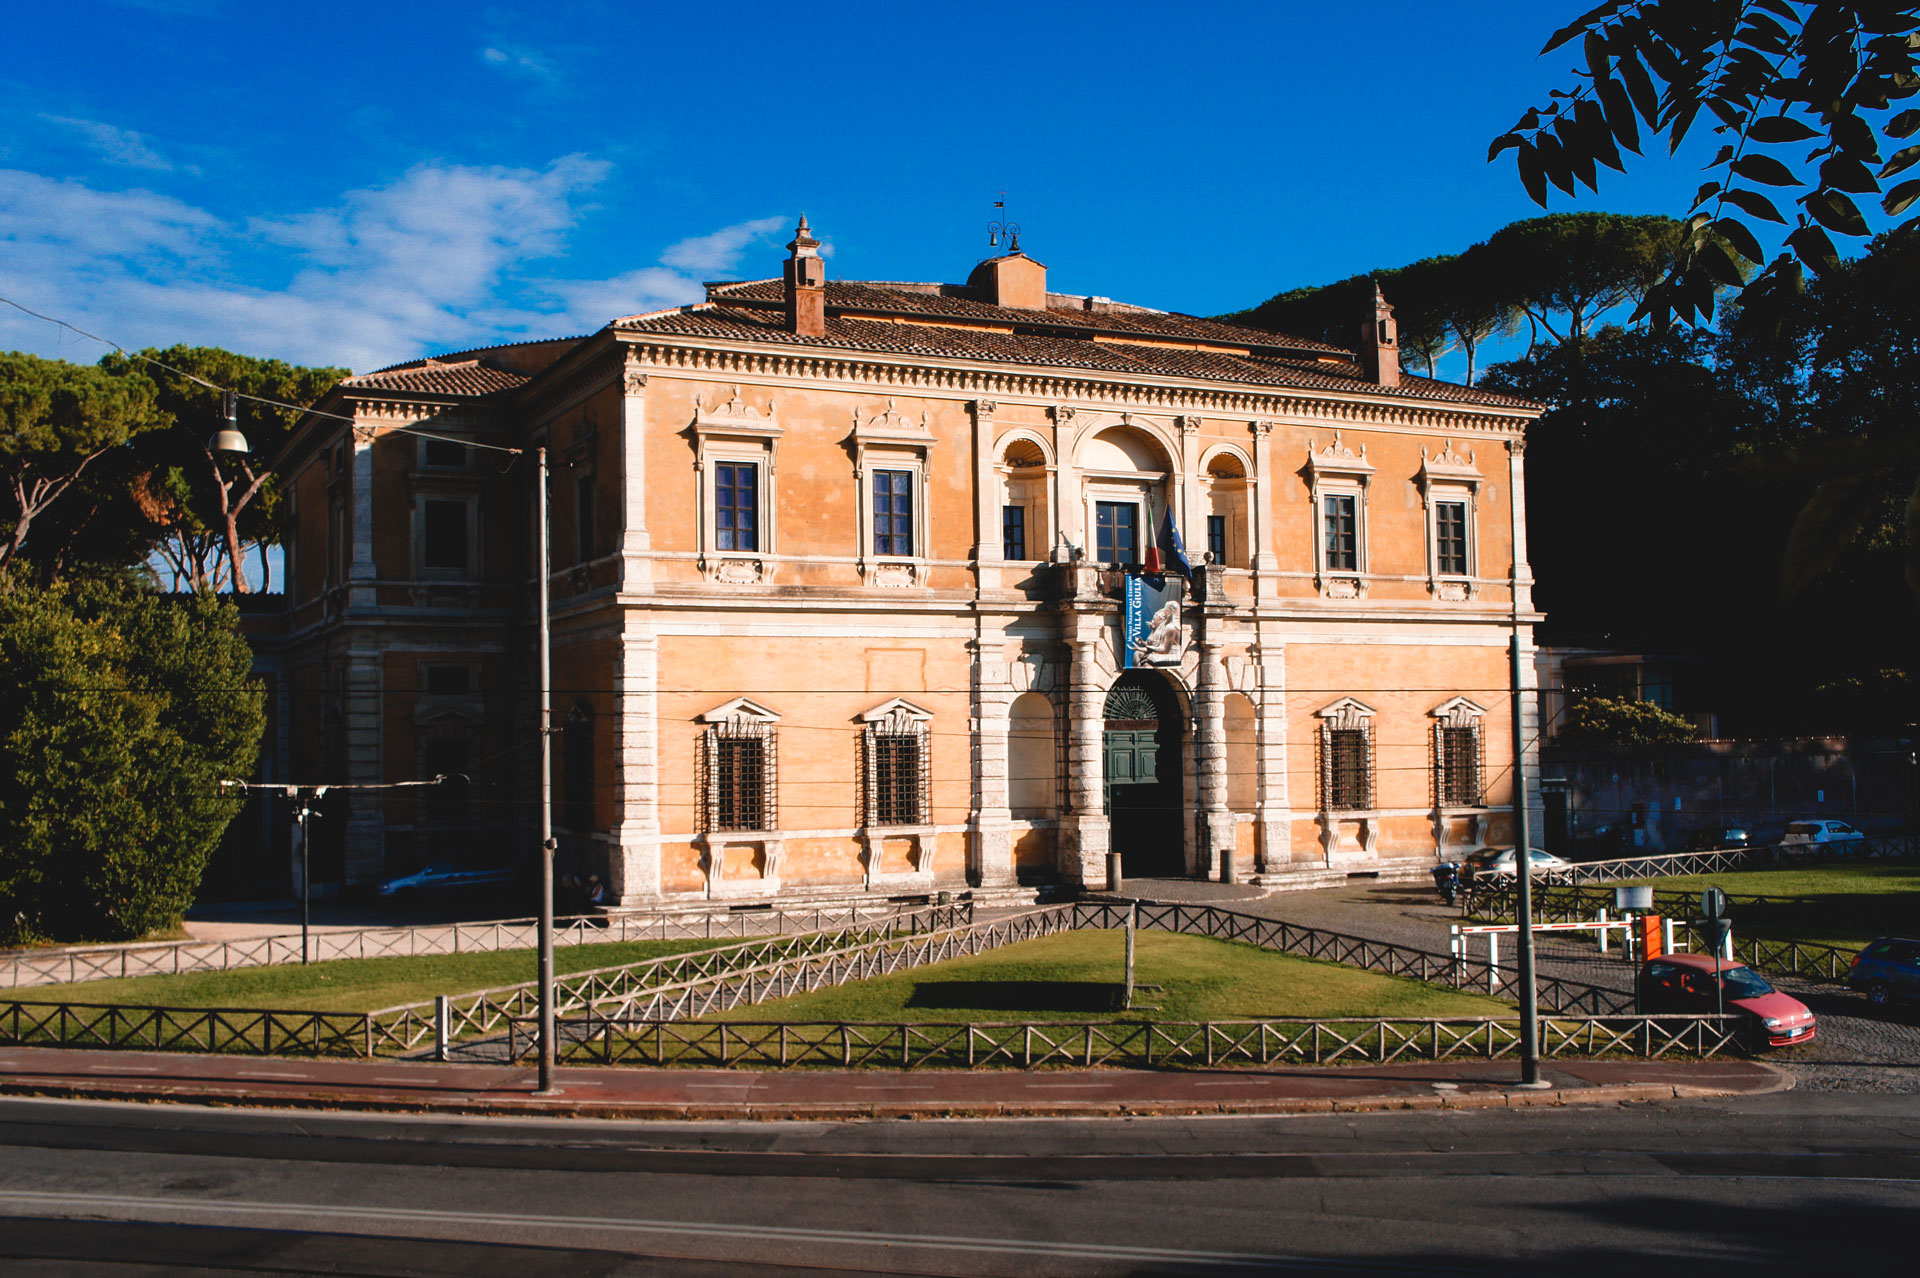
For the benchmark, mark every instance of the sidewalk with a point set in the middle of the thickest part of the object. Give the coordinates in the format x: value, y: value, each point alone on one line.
x: 422, y: 1086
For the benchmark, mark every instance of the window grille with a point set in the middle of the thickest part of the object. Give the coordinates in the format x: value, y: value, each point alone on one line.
x: 1346, y: 769
x: 896, y: 771
x: 740, y: 767
x: 1456, y: 765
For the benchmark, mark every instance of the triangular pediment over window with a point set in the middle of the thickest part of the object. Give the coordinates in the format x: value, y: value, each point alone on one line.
x: 1345, y: 713
x: 1458, y: 713
x: 897, y: 711
x: 740, y: 708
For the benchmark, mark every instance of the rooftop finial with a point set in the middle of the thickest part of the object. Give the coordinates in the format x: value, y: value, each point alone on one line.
x: 1003, y: 228
x: 803, y: 244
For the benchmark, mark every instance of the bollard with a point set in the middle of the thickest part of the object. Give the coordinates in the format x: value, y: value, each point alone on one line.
x: 1115, y: 876
x: 442, y: 1020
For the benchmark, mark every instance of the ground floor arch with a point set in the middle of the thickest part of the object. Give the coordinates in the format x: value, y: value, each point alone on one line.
x: 1145, y: 741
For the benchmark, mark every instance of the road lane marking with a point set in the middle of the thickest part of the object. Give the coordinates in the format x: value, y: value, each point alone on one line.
x: 1038, y: 1085
x: 723, y: 1230
x: 123, y: 1069
x: 261, y: 1073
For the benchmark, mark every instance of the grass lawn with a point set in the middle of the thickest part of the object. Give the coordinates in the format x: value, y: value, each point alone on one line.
x: 1073, y: 977
x: 1851, y: 903
x: 349, y: 985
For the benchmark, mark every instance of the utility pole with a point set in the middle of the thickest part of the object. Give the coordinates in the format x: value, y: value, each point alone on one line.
x: 543, y: 683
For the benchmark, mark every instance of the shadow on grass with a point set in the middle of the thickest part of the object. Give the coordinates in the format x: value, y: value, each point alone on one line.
x: 1017, y: 996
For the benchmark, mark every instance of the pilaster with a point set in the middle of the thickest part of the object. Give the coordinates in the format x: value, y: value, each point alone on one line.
x: 1069, y: 510
x: 986, y: 519
x: 635, y: 567
x: 366, y: 832
x: 1216, y: 828
x: 991, y: 819
x: 361, y: 570
x: 633, y: 871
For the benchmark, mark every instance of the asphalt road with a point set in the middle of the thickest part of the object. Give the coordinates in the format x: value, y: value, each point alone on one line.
x: 1811, y: 1182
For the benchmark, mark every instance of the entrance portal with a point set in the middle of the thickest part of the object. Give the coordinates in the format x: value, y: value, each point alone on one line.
x: 1146, y: 808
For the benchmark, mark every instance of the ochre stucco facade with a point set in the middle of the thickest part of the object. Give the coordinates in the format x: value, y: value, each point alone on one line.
x: 796, y: 654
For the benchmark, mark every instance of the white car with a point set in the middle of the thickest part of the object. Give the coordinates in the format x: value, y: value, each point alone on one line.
x: 1805, y: 832
x: 1496, y: 861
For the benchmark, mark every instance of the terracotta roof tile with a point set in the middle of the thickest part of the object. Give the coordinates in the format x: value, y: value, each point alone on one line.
x: 1059, y: 350
x: 437, y: 377
x: 950, y: 300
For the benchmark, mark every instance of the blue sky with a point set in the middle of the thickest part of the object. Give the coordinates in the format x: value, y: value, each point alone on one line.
x: 358, y: 184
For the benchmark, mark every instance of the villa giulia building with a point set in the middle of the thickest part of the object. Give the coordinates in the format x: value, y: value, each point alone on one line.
x: 893, y: 588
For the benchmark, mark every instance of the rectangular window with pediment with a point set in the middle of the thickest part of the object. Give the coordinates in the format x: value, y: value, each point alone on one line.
x: 893, y: 512
x: 895, y: 759
x: 736, y: 505
x: 1456, y: 758
x: 1340, y: 532
x: 739, y: 782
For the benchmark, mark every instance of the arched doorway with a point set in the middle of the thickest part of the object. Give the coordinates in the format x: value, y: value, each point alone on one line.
x: 1145, y: 803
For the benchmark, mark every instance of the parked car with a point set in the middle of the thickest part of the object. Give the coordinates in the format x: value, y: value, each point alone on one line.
x: 1712, y: 838
x: 1685, y: 983
x: 1819, y: 831
x: 1498, y: 861
x: 445, y: 881
x: 1888, y: 971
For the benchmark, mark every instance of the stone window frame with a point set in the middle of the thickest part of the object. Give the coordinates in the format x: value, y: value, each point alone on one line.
x: 1030, y: 488
x: 1458, y: 714
x: 470, y: 569
x: 734, y: 432
x: 1346, y: 715
x: 1238, y: 516
x: 898, y: 719
x: 890, y: 440
x: 1337, y: 470
x: 1447, y: 477
x: 738, y: 720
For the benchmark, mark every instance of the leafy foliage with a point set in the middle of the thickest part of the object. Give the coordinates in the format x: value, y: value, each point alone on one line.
x: 56, y: 421
x: 208, y: 507
x: 1802, y: 95
x: 1621, y: 723
x: 120, y: 713
x: 1558, y: 272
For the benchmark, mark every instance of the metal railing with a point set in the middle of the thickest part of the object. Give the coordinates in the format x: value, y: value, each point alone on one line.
x: 27, y: 968
x: 1809, y: 960
x: 1134, y: 1044
x: 245, y: 1031
x: 1720, y: 860
x: 410, y: 1027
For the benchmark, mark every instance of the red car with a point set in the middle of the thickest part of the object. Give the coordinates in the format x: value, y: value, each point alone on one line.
x: 1685, y: 983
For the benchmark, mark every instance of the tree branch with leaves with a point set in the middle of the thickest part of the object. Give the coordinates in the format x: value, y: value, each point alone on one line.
x: 1775, y: 76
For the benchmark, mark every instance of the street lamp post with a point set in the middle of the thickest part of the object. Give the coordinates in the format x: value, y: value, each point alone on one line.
x: 543, y: 681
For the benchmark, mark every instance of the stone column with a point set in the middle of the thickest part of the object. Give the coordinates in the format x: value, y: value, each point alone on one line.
x: 1260, y: 492
x: 1522, y: 571
x: 1275, y: 849
x: 1085, y: 832
x: 986, y: 518
x: 1210, y: 738
x: 1190, y: 507
x: 633, y: 870
x: 1069, y: 510
x: 991, y: 819
x: 635, y: 567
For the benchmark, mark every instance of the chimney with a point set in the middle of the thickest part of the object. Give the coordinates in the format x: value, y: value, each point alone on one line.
x: 1013, y: 280
x: 1380, y: 343
x: 806, y: 284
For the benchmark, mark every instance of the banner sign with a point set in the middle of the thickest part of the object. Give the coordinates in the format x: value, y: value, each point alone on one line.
x: 1152, y: 630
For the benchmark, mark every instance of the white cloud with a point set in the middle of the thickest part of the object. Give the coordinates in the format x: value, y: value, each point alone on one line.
x: 443, y: 258
x: 721, y: 250
x: 520, y: 60
x: 119, y: 146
